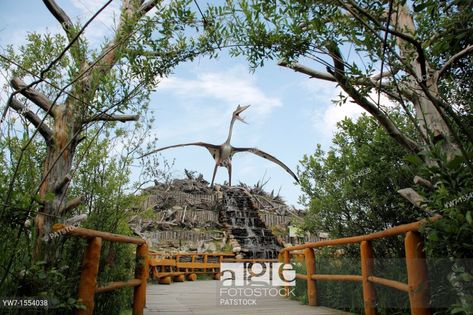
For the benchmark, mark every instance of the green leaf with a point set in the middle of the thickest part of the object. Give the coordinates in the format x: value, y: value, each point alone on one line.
x: 414, y: 159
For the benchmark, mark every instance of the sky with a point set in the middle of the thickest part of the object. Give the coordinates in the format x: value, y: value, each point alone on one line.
x: 289, y: 114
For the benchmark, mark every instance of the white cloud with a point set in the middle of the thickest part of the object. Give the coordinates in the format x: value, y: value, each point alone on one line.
x: 327, y: 114
x: 233, y: 86
x: 334, y: 114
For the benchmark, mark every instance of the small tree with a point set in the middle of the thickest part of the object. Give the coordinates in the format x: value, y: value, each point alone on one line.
x: 79, y: 87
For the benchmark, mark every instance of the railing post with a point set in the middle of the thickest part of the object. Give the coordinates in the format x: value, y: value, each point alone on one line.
x: 287, y: 260
x: 205, y: 263
x: 310, y: 270
x: 139, y: 294
x: 417, y: 274
x: 367, y: 266
x: 88, y: 277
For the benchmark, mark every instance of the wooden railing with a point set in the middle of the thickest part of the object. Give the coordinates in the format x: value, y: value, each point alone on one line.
x: 90, y: 267
x: 417, y: 286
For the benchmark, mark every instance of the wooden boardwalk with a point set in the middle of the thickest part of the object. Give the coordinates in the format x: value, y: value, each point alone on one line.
x: 200, y: 298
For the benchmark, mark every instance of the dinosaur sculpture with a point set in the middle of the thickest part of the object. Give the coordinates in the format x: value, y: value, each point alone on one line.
x: 223, y: 153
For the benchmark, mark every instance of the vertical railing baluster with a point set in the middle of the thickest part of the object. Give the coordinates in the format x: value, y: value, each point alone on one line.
x: 417, y: 274
x: 367, y: 266
x: 310, y: 267
x: 287, y: 260
x: 88, y: 277
x: 141, y: 267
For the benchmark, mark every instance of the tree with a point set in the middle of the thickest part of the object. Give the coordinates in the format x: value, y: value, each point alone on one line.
x: 351, y: 189
x: 79, y: 88
x: 398, y: 41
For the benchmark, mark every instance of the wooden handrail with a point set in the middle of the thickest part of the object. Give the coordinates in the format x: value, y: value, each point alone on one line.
x: 417, y: 286
x: 397, y: 230
x: 90, y: 266
x: 87, y: 233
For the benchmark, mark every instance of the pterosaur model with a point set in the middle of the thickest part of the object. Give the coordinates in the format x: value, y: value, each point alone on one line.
x: 223, y: 153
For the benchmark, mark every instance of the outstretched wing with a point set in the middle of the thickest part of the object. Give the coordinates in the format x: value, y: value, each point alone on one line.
x: 266, y: 156
x: 213, y: 149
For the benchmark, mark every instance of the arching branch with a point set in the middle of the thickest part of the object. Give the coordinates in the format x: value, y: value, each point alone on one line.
x: 453, y: 59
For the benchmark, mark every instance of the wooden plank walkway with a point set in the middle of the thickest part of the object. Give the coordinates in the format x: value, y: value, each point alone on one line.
x: 200, y: 297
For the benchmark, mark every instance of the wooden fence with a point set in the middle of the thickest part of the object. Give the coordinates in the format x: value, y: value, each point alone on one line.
x: 90, y: 267
x: 417, y: 286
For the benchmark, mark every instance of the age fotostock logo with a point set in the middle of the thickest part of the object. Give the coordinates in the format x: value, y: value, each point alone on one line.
x: 242, y: 284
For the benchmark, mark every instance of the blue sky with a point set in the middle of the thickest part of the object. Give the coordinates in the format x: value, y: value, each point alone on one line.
x: 289, y: 114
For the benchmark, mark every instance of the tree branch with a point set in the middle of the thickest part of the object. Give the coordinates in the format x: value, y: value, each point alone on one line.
x: 362, y: 101
x: 72, y: 204
x: 147, y: 6
x: 65, y: 181
x: 21, y: 109
x: 130, y: 11
x: 36, y: 97
x: 60, y: 15
x: 310, y: 72
x: 453, y: 59
x: 406, y: 37
x: 107, y: 117
x: 412, y: 196
x: 383, y: 75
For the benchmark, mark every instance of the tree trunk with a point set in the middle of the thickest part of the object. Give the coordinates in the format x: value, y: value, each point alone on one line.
x: 57, y: 167
x: 431, y: 120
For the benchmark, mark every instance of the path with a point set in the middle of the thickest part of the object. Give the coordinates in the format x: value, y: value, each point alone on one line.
x: 200, y: 298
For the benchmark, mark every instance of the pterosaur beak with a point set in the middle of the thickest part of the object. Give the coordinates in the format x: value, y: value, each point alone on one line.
x: 238, y: 111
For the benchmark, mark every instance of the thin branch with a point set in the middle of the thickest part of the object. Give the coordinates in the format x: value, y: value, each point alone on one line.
x: 60, y: 15
x: 36, y: 97
x: 21, y: 109
x: 107, y: 117
x: 453, y: 59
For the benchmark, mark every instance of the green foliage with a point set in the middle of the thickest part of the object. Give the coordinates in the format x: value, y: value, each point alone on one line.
x: 352, y: 189
x: 451, y: 237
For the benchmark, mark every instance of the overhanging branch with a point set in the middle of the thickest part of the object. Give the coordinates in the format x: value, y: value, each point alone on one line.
x: 369, y: 106
x: 21, y: 109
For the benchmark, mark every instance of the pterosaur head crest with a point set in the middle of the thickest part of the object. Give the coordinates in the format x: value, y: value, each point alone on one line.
x: 238, y: 111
